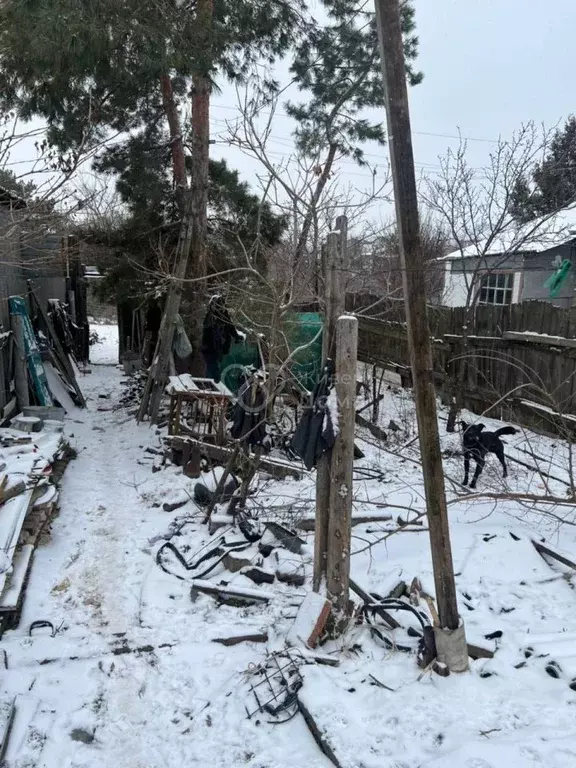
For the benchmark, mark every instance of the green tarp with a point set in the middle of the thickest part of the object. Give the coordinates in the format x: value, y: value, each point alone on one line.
x: 300, y: 329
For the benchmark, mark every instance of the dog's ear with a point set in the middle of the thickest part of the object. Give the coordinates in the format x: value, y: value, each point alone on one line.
x: 480, y: 427
x: 464, y: 426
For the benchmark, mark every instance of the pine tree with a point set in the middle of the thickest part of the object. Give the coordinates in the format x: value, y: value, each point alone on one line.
x: 10, y: 182
x: 94, y: 67
x: 141, y: 167
x: 553, y: 182
x: 338, y: 66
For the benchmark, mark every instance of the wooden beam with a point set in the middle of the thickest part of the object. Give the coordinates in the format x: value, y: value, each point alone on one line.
x: 222, y: 453
x: 259, y: 637
x: 307, y: 523
x: 389, y: 29
x: 236, y: 596
x: 545, y: 550
x: 339, y: 522
x: 334, y: 301
x: 539, y: 338
x: 374, y: 429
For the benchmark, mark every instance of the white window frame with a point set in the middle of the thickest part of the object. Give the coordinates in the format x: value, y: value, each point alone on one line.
x: 499, y: 286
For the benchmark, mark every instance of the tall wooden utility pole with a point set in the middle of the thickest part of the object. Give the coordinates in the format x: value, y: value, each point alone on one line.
x: 451, y: 631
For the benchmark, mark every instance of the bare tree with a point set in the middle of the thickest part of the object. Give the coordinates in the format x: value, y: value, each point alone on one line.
x: 306, y: 187
x: 476, y: 207
x: 39, y: 191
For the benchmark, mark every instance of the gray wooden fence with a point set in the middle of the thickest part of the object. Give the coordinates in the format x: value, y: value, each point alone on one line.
x: 516, y: 363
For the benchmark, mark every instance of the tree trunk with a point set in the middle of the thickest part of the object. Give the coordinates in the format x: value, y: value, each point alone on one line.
x: 176, y: 142
x: 201, y: 89
x: 309, y: 218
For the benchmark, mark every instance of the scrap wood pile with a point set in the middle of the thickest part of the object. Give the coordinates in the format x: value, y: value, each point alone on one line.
x: 33, y: 455
x: 45, y: 363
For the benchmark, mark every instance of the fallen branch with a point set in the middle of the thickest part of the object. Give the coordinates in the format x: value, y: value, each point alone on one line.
x: 537, y: 470
x: 547, y: 499
x: 308, y: 523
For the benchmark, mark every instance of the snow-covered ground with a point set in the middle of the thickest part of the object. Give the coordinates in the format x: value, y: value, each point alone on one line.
x: 132, y: 678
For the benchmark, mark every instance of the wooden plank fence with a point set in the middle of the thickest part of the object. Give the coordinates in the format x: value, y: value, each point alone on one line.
x: 515, y: 363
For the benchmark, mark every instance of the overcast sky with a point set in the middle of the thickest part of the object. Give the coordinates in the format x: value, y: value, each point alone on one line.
x: 489, y: 65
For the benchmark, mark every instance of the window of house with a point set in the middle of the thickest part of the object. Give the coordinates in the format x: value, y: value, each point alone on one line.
x: 496, y: 288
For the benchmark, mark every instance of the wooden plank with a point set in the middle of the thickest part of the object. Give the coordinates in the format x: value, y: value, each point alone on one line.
x: 62, y: 356
x: 275, y: 467
x: 537, y: 338
x: 368, y: 600
x: 258, y: 637
x: 14, y: 590
x: 318, y: 734
x: 374, y: 429
x: 477, y: 652
x: 13, y: 514
x: 230, y: 594
x: 7, y: 712
x: 543, y: 549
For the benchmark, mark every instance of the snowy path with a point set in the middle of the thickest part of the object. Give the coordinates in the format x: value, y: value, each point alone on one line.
x: 132, y: 679
x: 97, y: 580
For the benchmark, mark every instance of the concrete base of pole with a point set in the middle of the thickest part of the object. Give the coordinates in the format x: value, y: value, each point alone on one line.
x: 451, y: 648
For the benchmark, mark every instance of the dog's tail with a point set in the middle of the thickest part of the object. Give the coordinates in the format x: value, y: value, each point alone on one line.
x: 505, y: 431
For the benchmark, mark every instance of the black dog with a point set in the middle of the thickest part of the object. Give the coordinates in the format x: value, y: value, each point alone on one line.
x: 478, y: 443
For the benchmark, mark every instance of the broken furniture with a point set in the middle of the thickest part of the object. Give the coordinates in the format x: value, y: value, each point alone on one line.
x: 198, y: 408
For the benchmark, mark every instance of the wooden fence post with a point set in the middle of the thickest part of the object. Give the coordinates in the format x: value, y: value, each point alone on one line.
x: 334, y: 304
x: 340, y: 518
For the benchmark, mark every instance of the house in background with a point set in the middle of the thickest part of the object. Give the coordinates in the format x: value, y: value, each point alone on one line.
x: 515, y: 266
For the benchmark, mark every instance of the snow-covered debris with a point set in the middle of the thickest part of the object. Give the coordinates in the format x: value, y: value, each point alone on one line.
x: 310, y: 621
